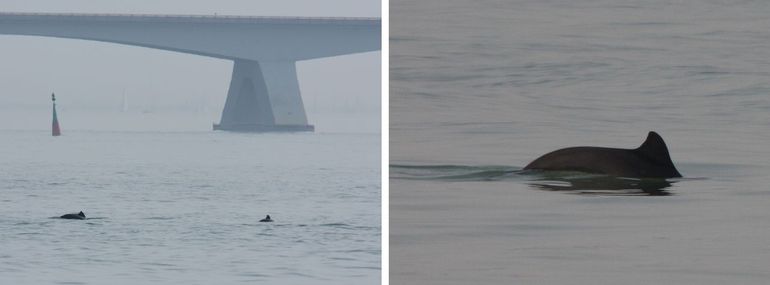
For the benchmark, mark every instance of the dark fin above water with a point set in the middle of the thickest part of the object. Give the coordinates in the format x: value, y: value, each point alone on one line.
x: 266, y: 219
x: 654, y: 146
x: 654, y: 149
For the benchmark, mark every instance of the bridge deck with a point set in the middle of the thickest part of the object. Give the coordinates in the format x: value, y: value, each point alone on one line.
x: 224, y: 19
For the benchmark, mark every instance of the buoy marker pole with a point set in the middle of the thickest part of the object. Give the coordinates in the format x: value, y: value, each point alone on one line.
x: 55, y: 131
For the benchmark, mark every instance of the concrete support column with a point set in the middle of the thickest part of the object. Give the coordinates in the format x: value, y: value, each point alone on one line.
x: 264, y: 97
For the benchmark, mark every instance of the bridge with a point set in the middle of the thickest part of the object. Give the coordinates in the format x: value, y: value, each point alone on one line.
x: 264, y: 90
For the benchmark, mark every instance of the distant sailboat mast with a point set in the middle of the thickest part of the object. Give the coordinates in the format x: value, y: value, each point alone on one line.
x: 55, y: 131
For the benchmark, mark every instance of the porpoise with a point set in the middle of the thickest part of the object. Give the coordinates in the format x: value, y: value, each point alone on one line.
x: 650, y: 160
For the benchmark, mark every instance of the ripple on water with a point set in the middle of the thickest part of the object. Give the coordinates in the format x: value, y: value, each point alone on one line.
x: 160, y: 218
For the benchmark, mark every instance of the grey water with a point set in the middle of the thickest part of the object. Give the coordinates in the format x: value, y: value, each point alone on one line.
x: 183, y: 207
x: 481, y: 88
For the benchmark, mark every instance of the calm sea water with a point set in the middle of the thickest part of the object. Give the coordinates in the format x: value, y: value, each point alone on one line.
x: 481, y: 88
x: 183, y: 208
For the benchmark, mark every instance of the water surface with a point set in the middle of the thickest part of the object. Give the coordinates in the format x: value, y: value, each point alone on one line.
x: 183, y: 208
x: 481, y: 88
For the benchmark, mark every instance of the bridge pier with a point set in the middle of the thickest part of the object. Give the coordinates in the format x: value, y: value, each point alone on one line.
x: 264, y: 96
x: 264, y: 91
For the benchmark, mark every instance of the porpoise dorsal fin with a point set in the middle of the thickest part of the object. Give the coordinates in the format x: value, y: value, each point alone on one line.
x: 654, y: 148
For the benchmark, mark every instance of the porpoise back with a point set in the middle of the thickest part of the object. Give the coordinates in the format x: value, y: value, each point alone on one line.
x: 650, y: 160
x: 78, y: 216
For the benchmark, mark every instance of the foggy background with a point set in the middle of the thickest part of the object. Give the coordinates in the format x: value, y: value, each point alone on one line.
x: 164, y: 90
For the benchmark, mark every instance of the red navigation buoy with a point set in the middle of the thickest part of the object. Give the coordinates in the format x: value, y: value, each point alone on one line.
x: 55, y: 131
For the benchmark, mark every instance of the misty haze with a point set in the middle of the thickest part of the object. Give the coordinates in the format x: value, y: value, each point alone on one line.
x: 169, y: 90
x: 164, y: 198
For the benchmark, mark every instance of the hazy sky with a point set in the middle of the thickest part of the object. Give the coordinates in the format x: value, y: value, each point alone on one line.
x: 340, y: 93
